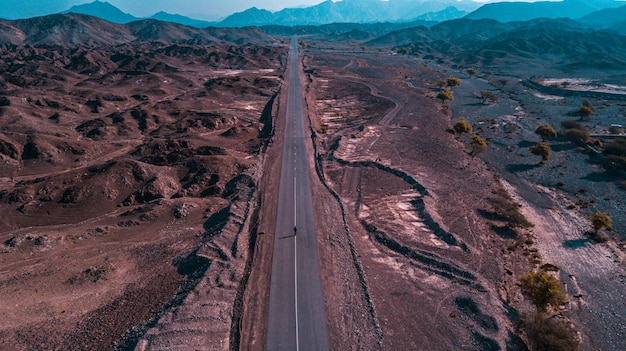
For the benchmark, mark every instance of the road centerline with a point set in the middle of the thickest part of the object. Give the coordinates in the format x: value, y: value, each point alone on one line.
x: 296, y: 316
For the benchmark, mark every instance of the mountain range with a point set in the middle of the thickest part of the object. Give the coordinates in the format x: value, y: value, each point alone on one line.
x: 354, y: 11
x: 88, y: 31
x: 600, y: 14
x: 524, y: 11
x: 372, y: 11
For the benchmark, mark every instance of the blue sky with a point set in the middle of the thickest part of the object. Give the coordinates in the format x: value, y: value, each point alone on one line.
x: 204, y: 9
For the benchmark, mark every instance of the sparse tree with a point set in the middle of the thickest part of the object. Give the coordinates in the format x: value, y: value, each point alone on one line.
x: 488, y: 97
x: 508, y: 210
x: 543, y: 290
x: 472, y: 71
x: 499, y: 83
x: 551, y: 332
x: 541, y: 149
x: 403, y: 51
x: 575, y: 132
x: 453, y: 82
x: 462, y: 126
x: 444, y: 95
x: 478, y: 144
x: 577, y: 136
x: 585, y: 113
x: 545, y: 131
x: 601, y: 220
x: 571, y: 124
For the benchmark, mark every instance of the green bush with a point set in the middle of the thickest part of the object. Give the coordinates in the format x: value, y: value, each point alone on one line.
x: 545, y: 131
x: 478, y: 144
x: 542, y: 149
x: 543, y: 290
x: 585, y: 112
x: 444, y: 95
x: 453, y: 82
x: 577, y: 136
x: 551, y: 333
x: 508, y: 210
x: 571, y: 124
x: 616, y: 147
x: 462, y: 126
x: 601, y: 220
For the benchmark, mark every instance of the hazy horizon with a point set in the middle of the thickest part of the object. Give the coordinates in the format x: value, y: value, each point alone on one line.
x: 207, y: 10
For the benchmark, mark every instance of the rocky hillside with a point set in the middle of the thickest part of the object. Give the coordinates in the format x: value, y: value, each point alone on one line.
x: 83, y: 30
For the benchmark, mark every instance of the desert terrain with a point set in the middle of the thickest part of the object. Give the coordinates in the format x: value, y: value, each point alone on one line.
x: 120, y: 161
x: 139, y: 175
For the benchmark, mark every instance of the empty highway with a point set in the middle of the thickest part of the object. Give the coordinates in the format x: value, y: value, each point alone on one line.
x: 296, y: 320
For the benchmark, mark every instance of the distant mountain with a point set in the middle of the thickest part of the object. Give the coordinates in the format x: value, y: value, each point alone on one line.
x: 351, y: 11
x: 563, y: 43
x: 63, y: 30
x: 73, y: 30
x: 106, y: 11
x: 538, y: 46
x: 151, y: 30
x: 167, y: 17
x: 103, y: 10
x: 450, y: 33
x: 348, y: 31
x: 605, y: 18
x: 447, y: 14
x: 524, y: 11
x: 250, y: 17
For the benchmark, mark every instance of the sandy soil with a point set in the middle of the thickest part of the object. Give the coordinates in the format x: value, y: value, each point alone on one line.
x: 426, y: 274
x: 127, y: 192
x: 433, y: 269
x: 560, y: 196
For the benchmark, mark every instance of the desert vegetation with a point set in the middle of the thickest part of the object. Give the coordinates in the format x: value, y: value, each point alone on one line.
x: 445, y: 95
x: 615, y: 152
x: 545, y: 131
x: 551, y: 332
x: 508, y: 210
x: 547, y: 328
x: 575, y: 132
x: 543, y: 290
x: 541, y: 149
x: 462, y: 126
x: 478, y: 144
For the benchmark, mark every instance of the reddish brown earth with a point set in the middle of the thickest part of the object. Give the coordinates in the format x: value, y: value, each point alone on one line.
x: 118, y: 166
x: 138, y: 186
x: 427, y: 269
x: 435, y: 270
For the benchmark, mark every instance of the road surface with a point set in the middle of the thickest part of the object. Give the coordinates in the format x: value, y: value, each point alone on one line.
x: 296, y: 321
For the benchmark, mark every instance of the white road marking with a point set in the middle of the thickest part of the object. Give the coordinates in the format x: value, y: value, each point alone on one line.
x: 295, y: 263
x: 295, y: 255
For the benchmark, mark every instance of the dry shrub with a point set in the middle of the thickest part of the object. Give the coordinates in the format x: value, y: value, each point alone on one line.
x: 543, y: 290
x: 508, y: 210
x: 552, y: 333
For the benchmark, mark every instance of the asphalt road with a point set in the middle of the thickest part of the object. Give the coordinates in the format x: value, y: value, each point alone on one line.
x: 296, y: 320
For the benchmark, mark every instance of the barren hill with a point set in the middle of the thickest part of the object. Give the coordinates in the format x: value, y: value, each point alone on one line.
x: 123, y: 150
x: 83, y: 30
